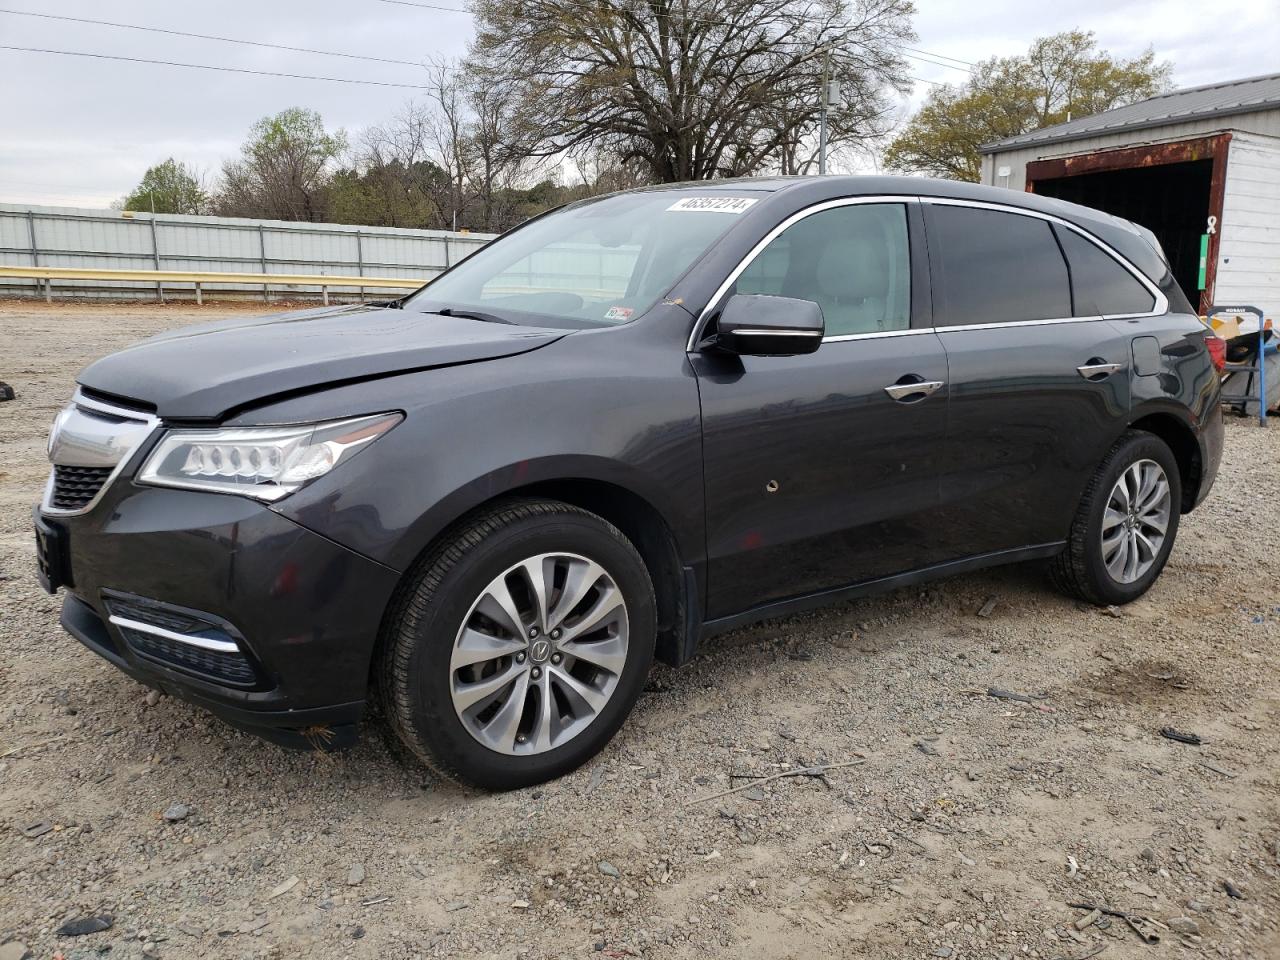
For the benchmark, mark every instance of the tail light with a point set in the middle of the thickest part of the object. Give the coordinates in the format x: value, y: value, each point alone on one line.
x: 1217, y: 351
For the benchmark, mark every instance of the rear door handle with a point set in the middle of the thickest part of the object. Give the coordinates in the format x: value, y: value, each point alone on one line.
x: 1098, y: 369
x: 912, y: 388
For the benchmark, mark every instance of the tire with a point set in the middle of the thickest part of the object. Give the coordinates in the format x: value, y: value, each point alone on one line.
x: 1082, y: 569
x: 566, y: 710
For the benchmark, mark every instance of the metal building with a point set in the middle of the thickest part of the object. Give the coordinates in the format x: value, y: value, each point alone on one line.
x: 1198, y: 167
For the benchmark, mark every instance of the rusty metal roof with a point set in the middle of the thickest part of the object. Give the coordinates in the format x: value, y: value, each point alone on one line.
x: 1177, y: 106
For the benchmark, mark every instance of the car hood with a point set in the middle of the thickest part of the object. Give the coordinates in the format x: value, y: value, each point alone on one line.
x: 206, y: 371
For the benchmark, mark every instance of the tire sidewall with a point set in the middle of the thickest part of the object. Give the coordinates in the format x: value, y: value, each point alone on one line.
x: 433, y: 637
x: 1144, y: 447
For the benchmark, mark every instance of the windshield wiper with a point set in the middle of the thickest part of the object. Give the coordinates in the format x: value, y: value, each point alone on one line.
x: 472, y: 315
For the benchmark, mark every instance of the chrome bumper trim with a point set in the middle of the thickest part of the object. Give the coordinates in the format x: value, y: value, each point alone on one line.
x: 204, y: 643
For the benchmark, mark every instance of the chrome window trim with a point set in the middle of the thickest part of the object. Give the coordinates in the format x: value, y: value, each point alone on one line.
x: 1018, y: 323
x: 147, y: 420
x: 878, y: 334
x: 1161, y: 301
x: 769, y: 237
x: 204, y: 643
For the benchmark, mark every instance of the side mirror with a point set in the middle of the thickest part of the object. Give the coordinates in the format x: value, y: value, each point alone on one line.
x: 761, y: 326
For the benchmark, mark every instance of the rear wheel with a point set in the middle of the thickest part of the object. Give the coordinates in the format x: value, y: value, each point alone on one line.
x: 1125, y: 525
x: 521, y: 645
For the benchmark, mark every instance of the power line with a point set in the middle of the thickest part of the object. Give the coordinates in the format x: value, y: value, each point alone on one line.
x: 427, y: 6
x: 718, y: 23
x: 936, y: 63
x: 941, y: 56
x: 259, y: 73
x: 208, y: 36
x: 207, y: 66
x: 926, y: 58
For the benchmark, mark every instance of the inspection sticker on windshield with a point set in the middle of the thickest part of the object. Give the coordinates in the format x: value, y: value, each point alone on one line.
x: 733, y: 205
x: 619, y: 314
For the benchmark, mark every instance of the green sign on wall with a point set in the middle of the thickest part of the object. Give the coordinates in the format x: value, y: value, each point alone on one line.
x: 1204, y: 260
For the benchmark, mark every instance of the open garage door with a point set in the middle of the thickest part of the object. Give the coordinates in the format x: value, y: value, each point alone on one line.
x: 1172, y: 189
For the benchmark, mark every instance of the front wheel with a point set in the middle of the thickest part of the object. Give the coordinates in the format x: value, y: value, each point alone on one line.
x: 520, y: 646
x: 1125, y: 525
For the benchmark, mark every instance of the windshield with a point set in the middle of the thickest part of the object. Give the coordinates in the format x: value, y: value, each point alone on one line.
x: 593, y: 264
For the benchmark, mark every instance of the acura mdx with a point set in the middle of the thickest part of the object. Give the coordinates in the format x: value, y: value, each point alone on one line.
x: 627, y: 425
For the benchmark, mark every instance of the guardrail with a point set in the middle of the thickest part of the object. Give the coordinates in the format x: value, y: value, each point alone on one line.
x: 200, y: 278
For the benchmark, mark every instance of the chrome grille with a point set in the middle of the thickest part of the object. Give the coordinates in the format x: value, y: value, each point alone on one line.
x: 75, y: 487
x: 90, y: 442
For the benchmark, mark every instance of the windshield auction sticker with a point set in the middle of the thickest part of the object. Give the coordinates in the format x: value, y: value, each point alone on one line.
x: 712, y: 204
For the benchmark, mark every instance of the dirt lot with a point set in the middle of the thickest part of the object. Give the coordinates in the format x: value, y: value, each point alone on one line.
x: 969, y: 827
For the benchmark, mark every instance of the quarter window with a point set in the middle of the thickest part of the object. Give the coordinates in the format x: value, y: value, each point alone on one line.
x: 996, y: 267
x: 1099, y: 285
x: 854, y: 261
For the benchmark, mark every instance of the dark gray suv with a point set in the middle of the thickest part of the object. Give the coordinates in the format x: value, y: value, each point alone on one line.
x: 629, y: 424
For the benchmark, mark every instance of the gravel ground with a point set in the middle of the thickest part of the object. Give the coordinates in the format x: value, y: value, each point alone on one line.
x: 965, y: 831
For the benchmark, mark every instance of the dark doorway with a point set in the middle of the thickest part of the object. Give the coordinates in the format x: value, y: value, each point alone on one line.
x: 1171, y: 200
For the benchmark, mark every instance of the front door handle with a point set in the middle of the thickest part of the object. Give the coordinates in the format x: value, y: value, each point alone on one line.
x: 913, y: 388
x: 1098, y: 369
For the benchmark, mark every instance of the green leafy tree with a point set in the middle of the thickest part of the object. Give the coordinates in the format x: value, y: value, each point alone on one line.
x: 1061, y: 77
x: 169, y: 187
x: 387, y: 194
x: 284, y: 168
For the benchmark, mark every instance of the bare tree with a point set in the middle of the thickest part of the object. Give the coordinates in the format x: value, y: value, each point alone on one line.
x: 397, y: 166
x: 601, y: 173
x: 691, y: 88
x: 446, y: 128
x: 499, y: 159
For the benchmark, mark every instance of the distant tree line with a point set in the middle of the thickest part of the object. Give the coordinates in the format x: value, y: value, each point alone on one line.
x: 426, y: 168
x: 565, y: 99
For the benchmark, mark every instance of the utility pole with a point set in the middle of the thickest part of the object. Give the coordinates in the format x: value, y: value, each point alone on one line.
x: 822, y: 116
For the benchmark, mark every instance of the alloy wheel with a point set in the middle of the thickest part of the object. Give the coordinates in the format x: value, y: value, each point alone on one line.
x: 539, y: 654
x: 1136, y: 521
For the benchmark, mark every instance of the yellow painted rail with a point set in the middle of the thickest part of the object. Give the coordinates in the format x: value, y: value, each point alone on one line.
x: 199, y: 278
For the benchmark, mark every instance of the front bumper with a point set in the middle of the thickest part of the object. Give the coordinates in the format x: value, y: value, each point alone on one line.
x: 300, y: 610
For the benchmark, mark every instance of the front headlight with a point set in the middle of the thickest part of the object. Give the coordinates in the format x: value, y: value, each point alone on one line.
x: 265, y: 463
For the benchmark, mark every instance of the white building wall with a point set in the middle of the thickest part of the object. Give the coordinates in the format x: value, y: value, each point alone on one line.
x: 1249, y: 247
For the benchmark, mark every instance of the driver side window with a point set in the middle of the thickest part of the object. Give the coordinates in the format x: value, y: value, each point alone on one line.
x: 853, y: 261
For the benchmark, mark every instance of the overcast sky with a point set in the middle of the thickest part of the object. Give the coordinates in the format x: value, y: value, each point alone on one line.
x: 81, y: 132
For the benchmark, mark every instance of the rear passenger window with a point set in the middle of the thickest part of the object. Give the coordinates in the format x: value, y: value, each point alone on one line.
x: 853, y: 261
x: 995, y: 267
x: 1100, y: 286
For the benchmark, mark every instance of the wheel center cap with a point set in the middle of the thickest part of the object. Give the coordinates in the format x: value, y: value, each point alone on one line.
x: 540, y: 651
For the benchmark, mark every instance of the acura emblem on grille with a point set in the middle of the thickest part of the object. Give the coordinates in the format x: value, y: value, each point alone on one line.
x: 89, y: 440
